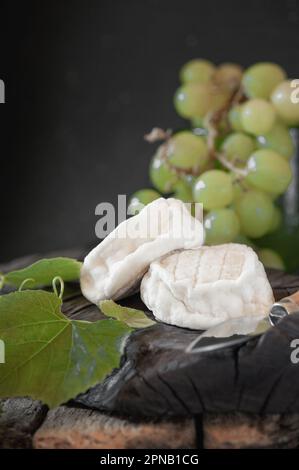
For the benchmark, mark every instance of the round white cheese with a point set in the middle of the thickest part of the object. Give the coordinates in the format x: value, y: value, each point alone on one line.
x: 201, y: 288
x: 115, y: 267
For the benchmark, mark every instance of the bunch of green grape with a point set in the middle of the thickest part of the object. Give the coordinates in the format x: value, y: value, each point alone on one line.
x: 234, y: 155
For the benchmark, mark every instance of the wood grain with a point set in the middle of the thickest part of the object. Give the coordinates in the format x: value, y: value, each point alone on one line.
x: 73, y: 428
x: 163, y: 397
x: 295, y: 298
x: 244, y: 431
x: 158, y: 378
x: 19, y: 419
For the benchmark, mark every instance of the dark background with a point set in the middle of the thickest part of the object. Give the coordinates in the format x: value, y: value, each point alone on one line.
x: 86, y: 79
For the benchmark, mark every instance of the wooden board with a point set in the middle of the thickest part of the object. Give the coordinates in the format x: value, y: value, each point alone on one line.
x: 153, y: 402
x: 67, y: 427
x: 73, y: 428
x: 158, y: 378
x: 19, y: 419
x: 248, y: 431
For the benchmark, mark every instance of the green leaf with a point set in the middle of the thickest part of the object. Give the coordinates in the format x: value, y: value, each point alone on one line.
x: 43, y: 271
x: 50, y: 357
x: 132, y: 317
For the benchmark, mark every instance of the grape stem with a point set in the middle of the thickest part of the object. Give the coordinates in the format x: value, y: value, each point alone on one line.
x: 212, y: 124
x: 58, y: 281
x: 157, y: 134
x: 24, y: 282
x: 213, y: 119
x: 230, y: 166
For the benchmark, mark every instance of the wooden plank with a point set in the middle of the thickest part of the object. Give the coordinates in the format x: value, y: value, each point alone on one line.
x: 74, y: 428
x: 243, y: 431
x: 19, y: 419
x: 283, y: 284
x: 158, y: 378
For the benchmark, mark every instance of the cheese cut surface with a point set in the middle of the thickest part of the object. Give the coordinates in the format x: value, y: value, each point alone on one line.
x: 200, y: 288
x: 114, y: 268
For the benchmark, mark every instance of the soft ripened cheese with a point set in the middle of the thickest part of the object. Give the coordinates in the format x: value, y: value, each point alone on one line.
x: 115, y: 267
x: 204, y: 287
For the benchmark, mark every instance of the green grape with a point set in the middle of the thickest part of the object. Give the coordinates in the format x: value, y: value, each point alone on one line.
x: 243, y: 240
x: 140, y: 199
x: 276, y: 220
x: 234, y: 118
x: 213, y: 189
x: 285, y: 99
x: 239, y: 186
x: 197, y: 122
x: 228, y: 75
x: 260, y: 79
x: 237, y: 147
x: 219, y: 97
x: 183, y: 191
x: 162, y: 176
x: 221, y: 226
x: 257, y: 116
x: 255, y: 210
x: 271, y: 259
x: 197, y: 71
x: 187, y: 151
x: 272, y: 196
x: 278, y: 139
x: 268, y: 171
x: 192, y: 100
x: 189, y: 179
x: 218, y: 141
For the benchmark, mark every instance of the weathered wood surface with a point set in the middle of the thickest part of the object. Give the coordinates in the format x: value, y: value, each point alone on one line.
x: 245, y: 431
x: 157, y: 377
x: 72, y: 428
x: 86, y: 429
x: 156, y: 380
x: 19, y: 419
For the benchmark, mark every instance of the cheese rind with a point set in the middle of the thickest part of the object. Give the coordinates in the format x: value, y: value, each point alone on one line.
x: 114, y: 268
x: 201, y: 288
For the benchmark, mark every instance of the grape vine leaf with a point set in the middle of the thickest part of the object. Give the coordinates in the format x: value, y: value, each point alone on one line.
x: 49, y: 357
x: 130, y: 316
x: 42, y: 272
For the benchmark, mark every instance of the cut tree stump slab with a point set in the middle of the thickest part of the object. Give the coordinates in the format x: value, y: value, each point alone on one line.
x: 161, y: 397
x: 19, y: 419
x: 245, y: 431
x: 73, y: 428
x: 158, y: 378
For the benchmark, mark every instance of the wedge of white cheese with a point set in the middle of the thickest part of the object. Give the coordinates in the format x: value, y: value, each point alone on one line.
x: 115, y: 267
x: 201, y: 288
